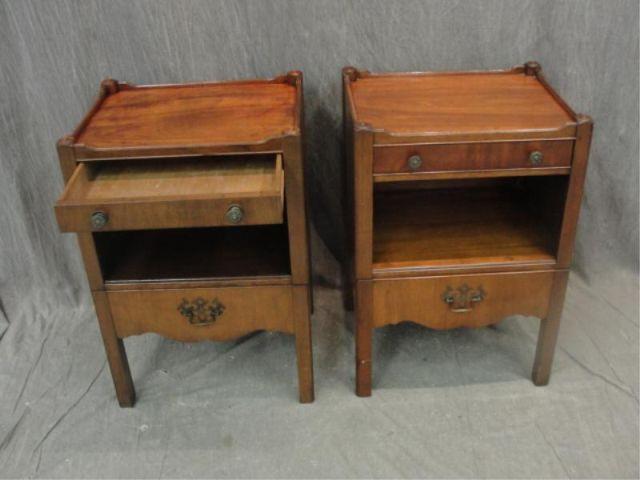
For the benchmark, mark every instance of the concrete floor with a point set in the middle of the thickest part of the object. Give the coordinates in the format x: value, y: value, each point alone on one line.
x: 445, y: 404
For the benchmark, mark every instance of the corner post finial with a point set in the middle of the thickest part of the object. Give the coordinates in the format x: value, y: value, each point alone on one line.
x: 532, y: 68
x: 109, y: 86
x: 293, y: 76
x: 351, y: 73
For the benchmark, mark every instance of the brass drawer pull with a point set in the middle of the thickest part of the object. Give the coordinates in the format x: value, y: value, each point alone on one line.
x: 536, y: 157
x: 201, y: 312
x: 414, y: 162
x: 234, y: 214
x: 99, y: 219
x: 463, y: 298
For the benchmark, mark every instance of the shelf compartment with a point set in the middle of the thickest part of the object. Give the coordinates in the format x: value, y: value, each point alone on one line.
x: 460, y: 224
x: 173, y: 193
x: 194, y: 255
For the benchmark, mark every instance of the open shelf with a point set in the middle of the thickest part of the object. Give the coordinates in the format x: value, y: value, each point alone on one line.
x: 455, y: 224
x: 193, y: 254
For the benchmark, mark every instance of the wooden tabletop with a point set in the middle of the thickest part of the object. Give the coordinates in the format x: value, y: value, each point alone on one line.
x: 460, y: 103
x: 234, y: 113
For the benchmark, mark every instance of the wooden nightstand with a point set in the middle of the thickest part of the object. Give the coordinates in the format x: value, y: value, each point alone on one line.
x: 463, y: 193
x: 188, y: 202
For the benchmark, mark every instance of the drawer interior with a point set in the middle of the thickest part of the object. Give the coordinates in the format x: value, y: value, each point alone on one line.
x: 193, y: 253
x: 161, y: 179
x: 440, y: 223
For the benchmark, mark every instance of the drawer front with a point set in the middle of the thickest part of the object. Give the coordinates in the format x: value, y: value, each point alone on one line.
x: 137, y: 195
x: 472, y: 156
x: 196, y: 314
x: 104, y: 217
x: 461, y: 300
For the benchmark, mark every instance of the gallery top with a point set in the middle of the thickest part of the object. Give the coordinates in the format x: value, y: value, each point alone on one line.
x: 467, y: 105
x: 205, y: 118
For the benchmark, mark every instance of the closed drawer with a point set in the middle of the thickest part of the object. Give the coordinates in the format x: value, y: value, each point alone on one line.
x: 472, y: 156
x: 461, y: 300
x: 173, y: 193
x: 195, y: 314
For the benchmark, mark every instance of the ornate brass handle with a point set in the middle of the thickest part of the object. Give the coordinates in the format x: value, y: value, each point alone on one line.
x: 536, y: 157
x: 234, y: 214
x: 99, y: 219
x: 463, y: 298
x: 414, y: 162
x: 201, y: 312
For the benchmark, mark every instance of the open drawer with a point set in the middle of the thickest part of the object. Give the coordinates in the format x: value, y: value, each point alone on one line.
x: 173, y: 193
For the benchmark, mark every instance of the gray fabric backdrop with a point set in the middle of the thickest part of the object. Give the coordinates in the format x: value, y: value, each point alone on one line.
x: 446, y: 404
x: 54, y: 54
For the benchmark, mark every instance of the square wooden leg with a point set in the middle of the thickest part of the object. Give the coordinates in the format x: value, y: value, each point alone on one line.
x: 549, y: 327
x: 364, y: 337
x: 116, y: 355
x: 304, y: 351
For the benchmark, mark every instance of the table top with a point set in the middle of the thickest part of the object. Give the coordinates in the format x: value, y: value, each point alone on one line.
x: 461, y: 103
x: 190, y: 115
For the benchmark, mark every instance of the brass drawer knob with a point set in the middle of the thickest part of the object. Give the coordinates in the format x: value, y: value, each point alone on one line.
x: 234, y: 214
x: 463, y: 298
x: 99, y: 219
x: 414, y: 162
x: 201, y: 312
x: 536, y: 157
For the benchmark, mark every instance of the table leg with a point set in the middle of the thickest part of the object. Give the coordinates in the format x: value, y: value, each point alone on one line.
x: 364, y: 337
x: 304, y: 350
x: 116, y: 355
x: 549, y: 327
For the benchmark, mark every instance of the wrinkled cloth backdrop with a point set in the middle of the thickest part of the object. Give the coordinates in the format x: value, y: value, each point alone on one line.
x: 446, y: 403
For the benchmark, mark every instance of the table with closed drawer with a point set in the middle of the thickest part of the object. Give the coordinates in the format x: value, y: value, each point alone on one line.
x: 463, y: 193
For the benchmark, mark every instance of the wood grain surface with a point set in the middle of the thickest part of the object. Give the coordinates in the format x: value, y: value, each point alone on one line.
x: 458, y: 103
x: 200, y: 114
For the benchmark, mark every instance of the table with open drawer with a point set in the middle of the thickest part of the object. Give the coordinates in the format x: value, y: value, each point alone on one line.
x: 188, y: 203
x: 463, y: 193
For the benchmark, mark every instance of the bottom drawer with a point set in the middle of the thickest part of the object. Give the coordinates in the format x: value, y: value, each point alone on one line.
x: 461, y: 300
x: 195, y: 314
